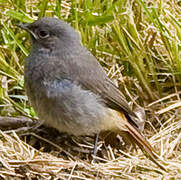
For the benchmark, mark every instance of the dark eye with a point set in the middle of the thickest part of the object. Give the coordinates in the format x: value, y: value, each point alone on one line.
x: 43, y: 34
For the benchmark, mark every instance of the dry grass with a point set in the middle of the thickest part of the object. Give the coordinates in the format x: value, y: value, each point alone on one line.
x: 18, y: 159
x: 138, y: 44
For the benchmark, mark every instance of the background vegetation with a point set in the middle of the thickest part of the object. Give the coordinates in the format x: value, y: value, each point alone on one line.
x: 138, y: 42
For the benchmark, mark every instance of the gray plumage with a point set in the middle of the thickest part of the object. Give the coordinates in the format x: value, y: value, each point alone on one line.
x: 66, y: 85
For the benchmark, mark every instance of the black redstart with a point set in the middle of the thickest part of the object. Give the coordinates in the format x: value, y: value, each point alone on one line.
x: 69, y: 89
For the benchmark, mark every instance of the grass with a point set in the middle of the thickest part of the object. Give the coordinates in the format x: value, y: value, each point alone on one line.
x: 139, y: 44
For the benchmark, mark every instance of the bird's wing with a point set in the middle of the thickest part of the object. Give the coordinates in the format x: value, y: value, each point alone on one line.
x: 89, y: 73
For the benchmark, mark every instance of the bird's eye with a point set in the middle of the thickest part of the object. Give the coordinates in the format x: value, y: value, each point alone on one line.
x: 43, y: 34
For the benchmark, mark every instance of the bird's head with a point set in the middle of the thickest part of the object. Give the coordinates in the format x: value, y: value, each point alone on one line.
x: 49, y: 32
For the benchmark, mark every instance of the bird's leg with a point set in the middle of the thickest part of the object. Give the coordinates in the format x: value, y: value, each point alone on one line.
x: 95, y: 147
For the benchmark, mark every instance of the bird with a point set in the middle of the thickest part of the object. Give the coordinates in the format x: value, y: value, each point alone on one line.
x: 69, y: 89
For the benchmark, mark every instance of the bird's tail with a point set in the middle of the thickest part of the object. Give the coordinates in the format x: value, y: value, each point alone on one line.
x: 144, y: 144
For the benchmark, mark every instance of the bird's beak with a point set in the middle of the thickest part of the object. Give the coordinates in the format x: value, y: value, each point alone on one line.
x: 23, y: 26
x: 26, y: 27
